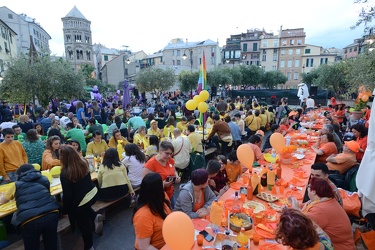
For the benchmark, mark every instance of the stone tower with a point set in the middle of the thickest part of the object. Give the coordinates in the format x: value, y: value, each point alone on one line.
x: 77, y: 38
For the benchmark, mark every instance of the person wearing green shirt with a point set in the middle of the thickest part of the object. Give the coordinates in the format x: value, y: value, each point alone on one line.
x: 76, y: 134
x: 94, y: 127
x: 18, y: 135
x: 98, y: 146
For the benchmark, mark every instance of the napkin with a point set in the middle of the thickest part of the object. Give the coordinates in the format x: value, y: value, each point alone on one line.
x: 216, y: 213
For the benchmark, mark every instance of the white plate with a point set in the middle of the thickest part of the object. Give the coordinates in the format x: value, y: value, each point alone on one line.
x: 299, y: 156
x: 257, y: 206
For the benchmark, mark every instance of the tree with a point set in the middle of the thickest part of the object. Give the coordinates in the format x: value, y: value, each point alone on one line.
x: 271, y: 79
x: 155, y: 80
x: 44, y: 79
x: 234, y: 74
x: 366, y: 16
x: 308, y: 78
x: 361, y: 71
x: 218, y: 76
x: 251, y: 75
x: 188, y: 80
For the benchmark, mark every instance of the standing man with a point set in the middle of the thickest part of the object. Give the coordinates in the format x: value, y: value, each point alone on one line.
x: 12, y: 155
x: 182, y: 149
x: 223, y: 132
x: 310, y: 103
x: 222, y: 106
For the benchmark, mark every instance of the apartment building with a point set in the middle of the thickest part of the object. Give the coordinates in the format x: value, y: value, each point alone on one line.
x: 250, y: 47
x: 8, y: 47
x: 269, y: 55
x: 77, y: 39
x: 314, y: 56
x: 152, y: 60
x: 25, y: 26
x: 231, y: 53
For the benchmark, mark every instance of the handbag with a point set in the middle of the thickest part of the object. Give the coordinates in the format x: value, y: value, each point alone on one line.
x: 197, y: 160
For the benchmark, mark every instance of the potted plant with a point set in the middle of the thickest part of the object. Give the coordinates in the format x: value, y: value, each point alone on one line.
x: 360, y: 103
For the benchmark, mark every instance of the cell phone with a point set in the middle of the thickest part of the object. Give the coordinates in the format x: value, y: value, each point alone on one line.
x: 171, y: 179
x: 208, y: 237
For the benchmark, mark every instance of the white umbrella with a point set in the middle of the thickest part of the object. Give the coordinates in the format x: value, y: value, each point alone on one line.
x: 366, y: 174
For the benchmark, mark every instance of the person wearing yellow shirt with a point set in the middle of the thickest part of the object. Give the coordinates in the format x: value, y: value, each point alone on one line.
x: 169, y: 127
x: 98, y: 146
x: 154, y: 130
x: 263, y: 118
x: 209, y: 119
x: 253, y: 123
x: 195, y: 139
x: 182, y: 125
x: 116, y: 137
x: 271, y: 115
x: 141, y: 138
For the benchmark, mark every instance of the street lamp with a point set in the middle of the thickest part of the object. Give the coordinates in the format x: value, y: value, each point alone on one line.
x: 184, y: 56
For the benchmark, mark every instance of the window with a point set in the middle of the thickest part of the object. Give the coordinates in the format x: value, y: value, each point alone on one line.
x: 290, y: 51
x: 346, y: 51
x: 298, y: 51
x: 355, y: 48
x: 178, y: 61
x: 212, y: 60
x: 178, y: 54
x: 307, y: 51
x: 106, y: 58
x: 274, y: 67
x: 244, y: 47
x: 255, y: 47
x: 275, y: 51
x: 299, y: 41
x: 274, y: 58
x: 296, y: 63
x: 282, y: 63
x: 264, y: 51
x: 264, y: 43
x: 290, y: 62
x: 289, y: 76
x: 283, y: 52
x: 275, y: 43
x: 291, y: 41
x: 295, y: 76
x: 264, y: 58
x: 173, y: 62
x: 283, y: 42
x: 323, y: 61
x: 10, y: 16
x: 351, y: 49
x: 309, y: 62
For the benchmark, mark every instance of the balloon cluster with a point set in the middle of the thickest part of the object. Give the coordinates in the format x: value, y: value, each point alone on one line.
x: 96, y: 94
x: 363, y: 94
x: 199, y: 101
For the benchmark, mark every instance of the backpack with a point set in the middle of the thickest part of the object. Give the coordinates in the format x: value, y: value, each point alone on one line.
x: 285, y: 112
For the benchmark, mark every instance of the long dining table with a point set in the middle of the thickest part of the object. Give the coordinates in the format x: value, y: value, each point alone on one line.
x: 295, y: 176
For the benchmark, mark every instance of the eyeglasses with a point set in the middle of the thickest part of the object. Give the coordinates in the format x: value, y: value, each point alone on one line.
x: 168, y: 153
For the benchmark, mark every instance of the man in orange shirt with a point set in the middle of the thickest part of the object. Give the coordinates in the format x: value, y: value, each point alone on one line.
x: 255, y: 143
x: 344, y: 161
x: 233, y: 167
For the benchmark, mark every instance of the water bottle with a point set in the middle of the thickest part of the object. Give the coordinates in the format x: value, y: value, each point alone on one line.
x: 287, y: 142
x: 273, y: 155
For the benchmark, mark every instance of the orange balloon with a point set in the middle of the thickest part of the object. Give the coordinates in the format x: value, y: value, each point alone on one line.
x: 245, y: 155
x: 178, y: 231
x: 277, y: 141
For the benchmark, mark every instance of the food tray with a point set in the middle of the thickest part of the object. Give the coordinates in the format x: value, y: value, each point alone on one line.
x: 267, y: 197
x: 256, y: 206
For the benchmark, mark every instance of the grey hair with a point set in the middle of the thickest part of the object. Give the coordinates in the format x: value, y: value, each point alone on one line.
x: 329, y: 127
x: 165, y: 145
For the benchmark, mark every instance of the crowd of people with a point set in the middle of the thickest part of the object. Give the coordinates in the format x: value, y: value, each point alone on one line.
x: 148, y: 150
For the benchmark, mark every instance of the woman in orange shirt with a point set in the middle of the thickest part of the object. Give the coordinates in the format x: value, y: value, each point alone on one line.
x: 360, y: 132
x: 339, y: 112
x: 51, y: 156
x: 150, y: 212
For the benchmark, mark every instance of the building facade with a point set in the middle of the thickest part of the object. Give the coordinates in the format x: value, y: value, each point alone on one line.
x: 77, y: 39
x: 8, y: 47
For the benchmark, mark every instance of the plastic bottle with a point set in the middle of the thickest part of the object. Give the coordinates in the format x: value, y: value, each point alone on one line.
x: 250, y: 191
x: 242, y: 240
x: 279, y: 170
x: 273, y: 156
x: 237, y: 204
x: 270, y: 179
x: 214, y: 221
x: 227, y: 242
x: 287, y: 141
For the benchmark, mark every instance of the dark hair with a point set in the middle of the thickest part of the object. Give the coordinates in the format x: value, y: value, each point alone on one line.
x: 170, y: 121
x: 213, y: 167
x: 41, y: 131
x: 190, y: 118
x: 227, y: 119
x: 237, y: 115
x: 222, y: 158
x: 161, y: 114
x: 151, y: 194
x: 361, y: 129
x: 254, y: 139
x: 7, y: 131
x: 232, y: 156
x: 96, y: 132
x: 55, y: 153
x: 73, y: 166
x: 154, y: 140
x: 115, y: 131
x: 151, y: 117
x: 70, y: 125
x: 321, y: 187
x: 330, y: 137
x: 133, y: 149
x: 55, y: 132
x: 24, y: 168
x: 111, y: 158
x: 295, y: 229
x: 329, y: 127
x: 32, y: 135
x: 199, y: 176
x: 191, y: 128
x: 320, y: 166
x: 71, y: 141
x: 15, y: 126
x: 274, y: 127
x: 118, y: 120
x: 216, y: 118
x: 165, y: 145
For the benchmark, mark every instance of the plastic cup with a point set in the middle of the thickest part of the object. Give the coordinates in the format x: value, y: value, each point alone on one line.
x: 200, y: 238
x: 245, y: 179
x: 282, y: 188
x: 258, y: 218
x: 274, y: 190
x: 300, y: 174
x: 256, y: 239
x: 243, y: 197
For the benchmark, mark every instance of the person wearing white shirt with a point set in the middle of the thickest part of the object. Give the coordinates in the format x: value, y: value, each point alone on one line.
x: 66, y: 119
x: 310, y: 103
x: 182, y: 149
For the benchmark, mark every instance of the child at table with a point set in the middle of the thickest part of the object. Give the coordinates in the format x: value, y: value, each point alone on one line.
x: 217, y: 176
x: 233, y: 167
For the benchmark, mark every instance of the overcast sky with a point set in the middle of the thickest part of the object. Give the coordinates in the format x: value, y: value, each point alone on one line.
x: 149, y: 25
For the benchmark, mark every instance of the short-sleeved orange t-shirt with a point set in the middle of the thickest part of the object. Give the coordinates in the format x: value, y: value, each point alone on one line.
x: 328, y: 148
x: 147, y: 225
x: 164, y: 172
x: 233, y: 171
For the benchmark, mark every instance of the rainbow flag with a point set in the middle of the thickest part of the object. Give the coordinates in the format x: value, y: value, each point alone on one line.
x: 202, y: 81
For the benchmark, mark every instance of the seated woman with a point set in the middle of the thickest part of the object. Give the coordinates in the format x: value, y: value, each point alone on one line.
x: 324, y: 147
x: 34, y: 147
x: 134, y: 162
x: 360, y: 132
x: 113, y: 179
x: 284, y: 126
x: 153, y: 148
x: 76, y: 123
x: 51, y: 155
x: 150, y: 212
x: 54, y: 124
x: 75, y: 144
x: 154, y: 130
x: 140, y: 138
x: 195, y: 197
x: 39, y: 129
x: 117, y: 124
x: 116, y: 136
x: 327, y: 213
x: 297, y: 231
x: 169, y: 127
x: 57, y: 132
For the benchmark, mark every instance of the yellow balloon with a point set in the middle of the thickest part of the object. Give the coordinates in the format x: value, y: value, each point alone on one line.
x: 191, y: 104
x: 36, y: 166
x: 197, y: 98
x: 204, y: 95
x: 202, y: 107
